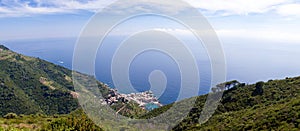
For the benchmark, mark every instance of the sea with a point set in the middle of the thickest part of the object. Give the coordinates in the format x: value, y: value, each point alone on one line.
x: 247, y: 61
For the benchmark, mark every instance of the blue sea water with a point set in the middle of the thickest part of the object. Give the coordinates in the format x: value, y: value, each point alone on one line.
x: 151, y: 106
x: 246, y: 62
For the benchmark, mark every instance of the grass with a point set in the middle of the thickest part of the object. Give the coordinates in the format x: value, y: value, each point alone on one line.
x: 28, y: 122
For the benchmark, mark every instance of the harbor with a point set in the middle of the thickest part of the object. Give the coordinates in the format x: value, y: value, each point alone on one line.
x: 145, y: 100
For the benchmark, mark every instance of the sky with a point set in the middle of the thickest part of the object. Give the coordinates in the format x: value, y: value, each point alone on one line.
x: 246, y: 28
x: 273, y: 20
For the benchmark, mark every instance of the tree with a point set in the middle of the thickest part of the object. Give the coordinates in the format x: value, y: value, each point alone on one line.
x: 258, y: 89
x: 227, y: 85
x: 3, y: 47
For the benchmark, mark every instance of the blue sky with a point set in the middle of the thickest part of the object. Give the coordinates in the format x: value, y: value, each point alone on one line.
x: 251, y: 31
x: 273, y: 20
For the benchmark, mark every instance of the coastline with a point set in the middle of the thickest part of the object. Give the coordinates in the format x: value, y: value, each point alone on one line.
x: 145, y: 100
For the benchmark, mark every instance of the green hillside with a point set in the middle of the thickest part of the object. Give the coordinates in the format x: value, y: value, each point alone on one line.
x: 75, y: 121
x: 265, y: 105
x: 38, y: 95
x: 29, y: 86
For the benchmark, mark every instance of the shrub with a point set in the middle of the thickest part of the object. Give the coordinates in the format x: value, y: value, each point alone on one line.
x: 10, y: 116
x: 258, y: 89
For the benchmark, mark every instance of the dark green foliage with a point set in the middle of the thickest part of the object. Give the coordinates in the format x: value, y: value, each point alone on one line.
x: 22, y: 92
x: 280, y: 116
x: 258, y: 89
x: 76, y: 121
x: 10, y: 116
x: 3, y: 47
x: 13, y: 99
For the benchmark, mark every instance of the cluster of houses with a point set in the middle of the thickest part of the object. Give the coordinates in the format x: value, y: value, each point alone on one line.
x: 115, y: 97
x: 142, y: 98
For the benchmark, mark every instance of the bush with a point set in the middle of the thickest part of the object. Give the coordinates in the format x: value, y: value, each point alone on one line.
x: 10, y: 116
x: 258, y: 89
x: 78, y: 121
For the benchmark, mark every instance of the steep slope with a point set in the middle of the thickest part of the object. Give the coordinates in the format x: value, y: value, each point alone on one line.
x: 31, y: 85
x: 283, y: 115
x: 264, y: 105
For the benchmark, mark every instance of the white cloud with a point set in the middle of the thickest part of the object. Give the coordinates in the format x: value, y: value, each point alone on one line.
x: 289, y: 10
x: 238, y: 6
x: 92, y: 5
x: 211, y: 7
x: 16, y: 8
x: 175, y: 32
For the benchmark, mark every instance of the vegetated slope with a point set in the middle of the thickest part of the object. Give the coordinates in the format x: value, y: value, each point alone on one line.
x: 31, y: 85
x: 265, y: 105
x: 75, y: 121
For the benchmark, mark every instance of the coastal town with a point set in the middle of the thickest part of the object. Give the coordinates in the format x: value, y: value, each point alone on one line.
x: 145, y: 100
